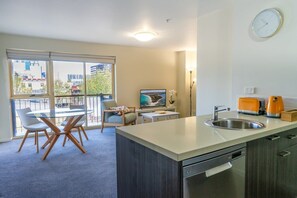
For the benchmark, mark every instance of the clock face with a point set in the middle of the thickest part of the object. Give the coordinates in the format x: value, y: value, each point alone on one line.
x: 267, y: 23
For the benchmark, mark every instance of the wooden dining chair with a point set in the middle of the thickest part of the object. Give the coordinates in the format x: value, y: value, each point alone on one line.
x: 32, y: 125
x: 78, y: 126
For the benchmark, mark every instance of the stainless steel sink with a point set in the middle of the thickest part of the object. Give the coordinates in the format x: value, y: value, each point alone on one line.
x: 234, y: 123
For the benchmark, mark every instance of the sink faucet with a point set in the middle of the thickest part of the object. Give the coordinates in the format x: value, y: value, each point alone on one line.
x: 216, y: 111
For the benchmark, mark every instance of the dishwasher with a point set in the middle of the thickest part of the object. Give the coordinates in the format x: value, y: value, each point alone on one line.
x: 219, y: 174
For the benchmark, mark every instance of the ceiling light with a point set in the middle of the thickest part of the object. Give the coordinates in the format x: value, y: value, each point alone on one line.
x: 144, y: 36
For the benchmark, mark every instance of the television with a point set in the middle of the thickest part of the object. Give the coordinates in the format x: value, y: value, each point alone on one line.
x: 150, y: 98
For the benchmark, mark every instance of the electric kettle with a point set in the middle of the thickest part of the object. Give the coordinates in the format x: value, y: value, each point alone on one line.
x: 275, y: 106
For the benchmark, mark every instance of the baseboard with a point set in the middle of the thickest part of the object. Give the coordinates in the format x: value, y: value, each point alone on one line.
x: 5, y: 140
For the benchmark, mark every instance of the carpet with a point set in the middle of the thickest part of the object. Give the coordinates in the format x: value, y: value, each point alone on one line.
x: 66, y: 172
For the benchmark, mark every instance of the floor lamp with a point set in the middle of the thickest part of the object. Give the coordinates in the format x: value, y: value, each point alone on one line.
x: 192, y: 82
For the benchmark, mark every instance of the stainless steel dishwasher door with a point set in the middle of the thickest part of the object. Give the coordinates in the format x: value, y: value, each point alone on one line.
x: 216, y: 175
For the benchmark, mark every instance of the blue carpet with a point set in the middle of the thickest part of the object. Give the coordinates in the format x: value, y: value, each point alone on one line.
x: 66, y: 172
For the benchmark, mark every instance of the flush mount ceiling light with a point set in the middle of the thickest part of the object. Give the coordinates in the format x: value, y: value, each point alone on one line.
x: 144, y: 36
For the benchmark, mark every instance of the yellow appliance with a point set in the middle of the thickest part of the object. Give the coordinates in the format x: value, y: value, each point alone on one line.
x: 275, y: 106
x: 249, y: 105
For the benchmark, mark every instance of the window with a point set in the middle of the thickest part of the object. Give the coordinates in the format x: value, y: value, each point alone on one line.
x: 28, y: 77
x: 81, y: 83
x: 68, y: 78
x: 74, y: 79
x: 99, y: 78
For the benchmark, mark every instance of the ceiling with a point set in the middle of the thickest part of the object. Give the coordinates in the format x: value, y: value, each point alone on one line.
x: 106, y: 21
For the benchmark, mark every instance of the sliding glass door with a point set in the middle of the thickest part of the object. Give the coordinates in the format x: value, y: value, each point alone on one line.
x: 29, y: 88
x: 82, y: 83
x: 68, y: 85
x: 59, y: 80
x: 99, y: 80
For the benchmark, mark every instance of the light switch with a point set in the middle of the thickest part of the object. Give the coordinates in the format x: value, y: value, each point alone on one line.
x: 249, y: 90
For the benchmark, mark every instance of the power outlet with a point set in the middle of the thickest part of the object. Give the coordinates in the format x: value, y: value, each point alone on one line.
x: 249, y: 90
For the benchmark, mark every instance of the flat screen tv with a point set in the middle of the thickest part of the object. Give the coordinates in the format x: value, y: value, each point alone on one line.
x: 150, y: 98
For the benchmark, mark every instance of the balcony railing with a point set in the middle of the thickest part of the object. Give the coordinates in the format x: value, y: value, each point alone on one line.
x: 93, y: 103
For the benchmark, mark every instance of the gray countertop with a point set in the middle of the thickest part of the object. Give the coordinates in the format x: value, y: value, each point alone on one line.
x: 184, y: 138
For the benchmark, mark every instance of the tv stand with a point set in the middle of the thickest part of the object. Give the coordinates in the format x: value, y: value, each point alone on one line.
x: 148, y: 110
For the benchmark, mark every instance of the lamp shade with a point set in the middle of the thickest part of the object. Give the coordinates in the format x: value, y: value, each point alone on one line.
x: 144, y: 36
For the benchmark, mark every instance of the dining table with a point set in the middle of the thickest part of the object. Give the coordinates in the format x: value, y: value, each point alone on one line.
x: 48, y: 116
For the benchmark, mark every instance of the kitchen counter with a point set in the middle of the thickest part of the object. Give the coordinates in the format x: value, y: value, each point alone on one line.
x: 185, y: 138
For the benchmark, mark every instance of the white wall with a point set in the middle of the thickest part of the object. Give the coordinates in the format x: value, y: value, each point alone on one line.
x: 214, y: 60
x: 5, y: 129
x: 136, y: 68
x: 185, y: 59
x: 182, y: 96
x: 230, y: 57
x: 270, y: 65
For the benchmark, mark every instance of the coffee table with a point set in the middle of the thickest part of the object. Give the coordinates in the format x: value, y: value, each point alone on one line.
x: 160, y: 115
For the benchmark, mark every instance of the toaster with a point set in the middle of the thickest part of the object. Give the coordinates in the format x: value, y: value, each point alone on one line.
x: 248, y: 105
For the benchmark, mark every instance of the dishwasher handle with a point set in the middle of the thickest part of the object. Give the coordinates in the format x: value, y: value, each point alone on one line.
x: 213, y: 165
x: 218, y: 169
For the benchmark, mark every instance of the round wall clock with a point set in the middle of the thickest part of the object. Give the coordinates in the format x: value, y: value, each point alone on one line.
x: 267, y: 23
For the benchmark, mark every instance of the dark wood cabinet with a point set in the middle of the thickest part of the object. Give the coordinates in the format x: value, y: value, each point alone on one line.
x: 271, y: 166
x: 142, y: 172
x: 261, y: 167
x: 286, y: 185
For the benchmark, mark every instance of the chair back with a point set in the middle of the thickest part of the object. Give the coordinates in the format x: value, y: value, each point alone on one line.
x: 26, y: 120
x: 106, y: 104
x: 72, y: 106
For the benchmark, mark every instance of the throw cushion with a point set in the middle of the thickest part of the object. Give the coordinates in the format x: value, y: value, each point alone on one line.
x: 120, y: 109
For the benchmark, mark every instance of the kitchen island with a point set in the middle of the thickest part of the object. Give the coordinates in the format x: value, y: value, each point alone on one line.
x: 150, y: 156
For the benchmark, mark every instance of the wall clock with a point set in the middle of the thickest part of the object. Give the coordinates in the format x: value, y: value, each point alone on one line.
x: 267, y: 23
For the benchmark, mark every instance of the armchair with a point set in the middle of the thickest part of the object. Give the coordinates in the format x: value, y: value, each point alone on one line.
x: 111, y: 118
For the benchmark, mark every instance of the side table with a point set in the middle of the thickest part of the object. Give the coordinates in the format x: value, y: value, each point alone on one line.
x: 159, y: 116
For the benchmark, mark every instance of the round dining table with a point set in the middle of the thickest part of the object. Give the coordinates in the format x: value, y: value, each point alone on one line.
x: 47, y: 116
